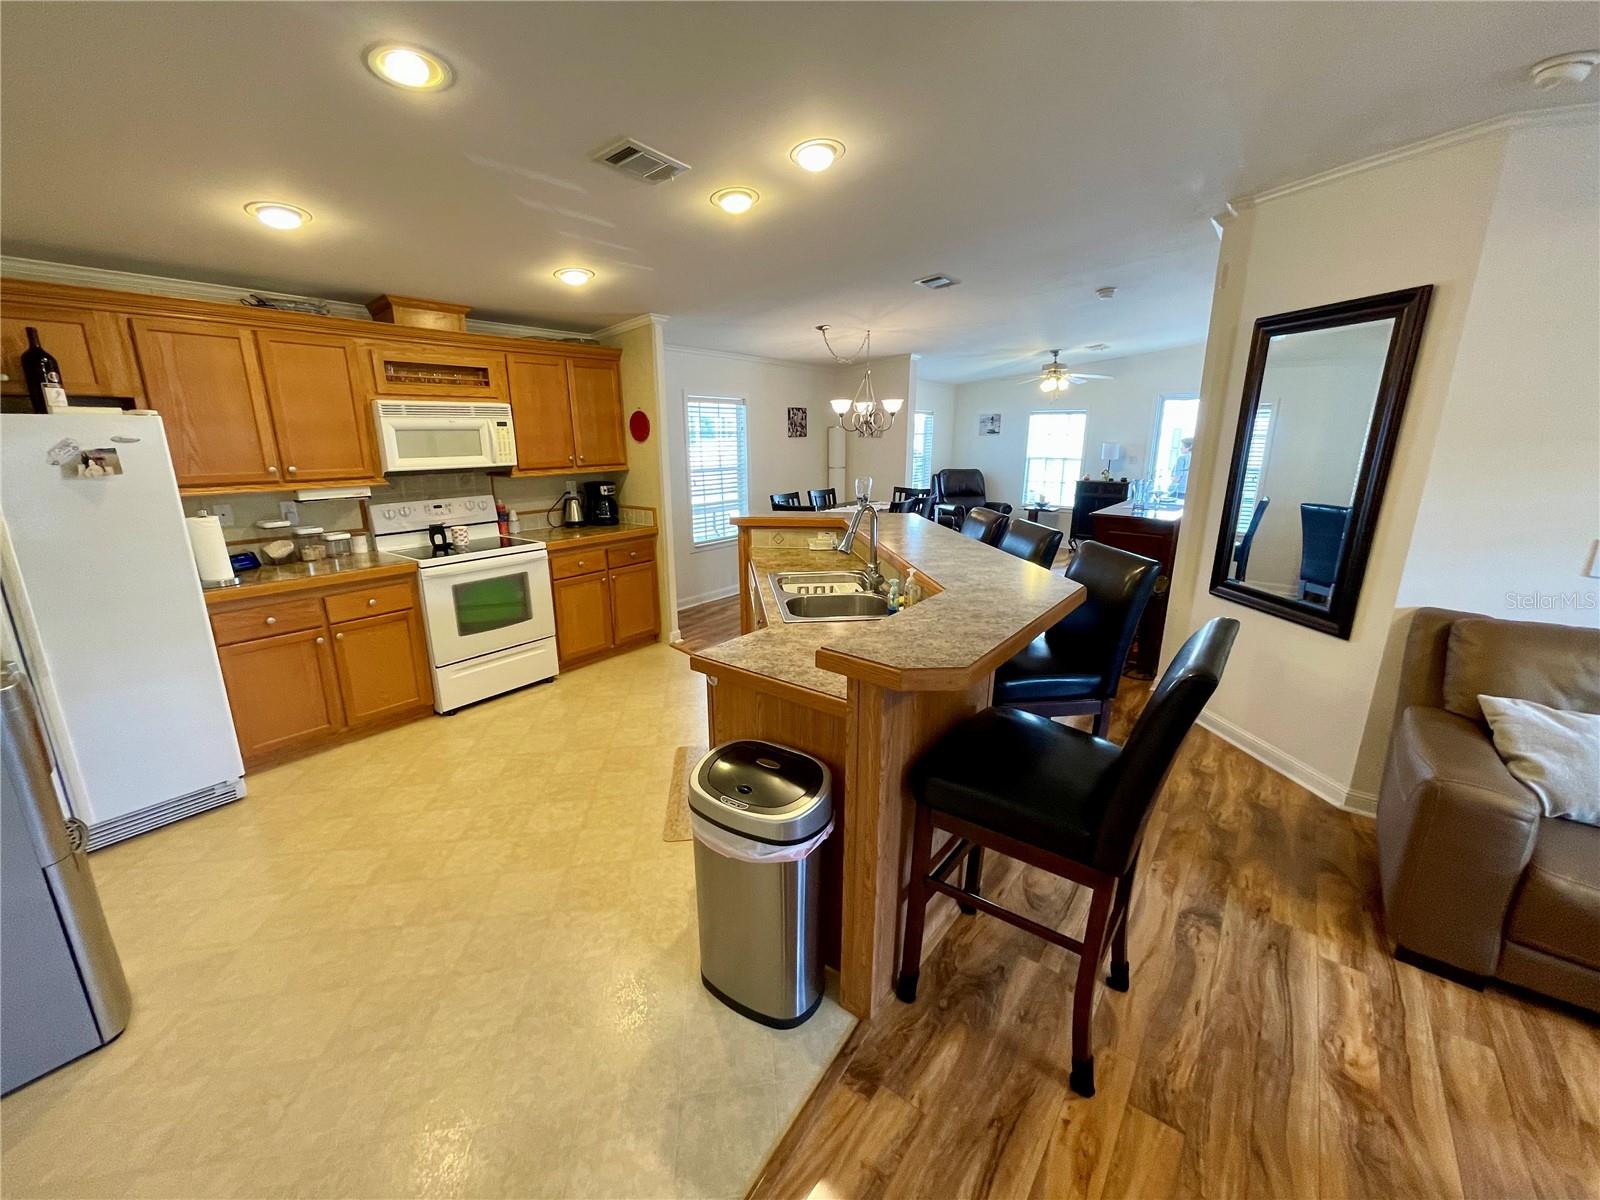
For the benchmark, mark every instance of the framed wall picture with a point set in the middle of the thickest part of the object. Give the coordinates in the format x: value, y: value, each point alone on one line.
x: 988, y: 424
x: 797, y: 422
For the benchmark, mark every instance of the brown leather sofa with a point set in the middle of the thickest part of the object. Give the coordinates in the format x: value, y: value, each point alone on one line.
x: 1474, y: 876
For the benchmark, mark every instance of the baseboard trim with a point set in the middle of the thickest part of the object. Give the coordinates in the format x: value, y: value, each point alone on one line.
x: 687, y: 602
x: 1322, y: 786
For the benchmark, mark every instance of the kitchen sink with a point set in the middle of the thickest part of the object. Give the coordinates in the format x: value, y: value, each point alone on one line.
x: 827, y: 596
x: 860, y: 606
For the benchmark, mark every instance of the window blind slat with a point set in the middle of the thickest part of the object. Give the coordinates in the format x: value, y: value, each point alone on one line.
x: 921, y: 449
x: 718, y: 468
x: 1054, y: 456
x: 1255, y: 461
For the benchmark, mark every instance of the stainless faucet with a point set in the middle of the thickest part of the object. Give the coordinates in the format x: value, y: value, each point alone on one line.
x: 873, y: 576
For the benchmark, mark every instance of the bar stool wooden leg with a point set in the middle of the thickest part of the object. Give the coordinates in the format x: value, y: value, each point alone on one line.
x: 1117, y: 978
x: 917, y: 895
x: 1094, y: 944
x: 972, y: 881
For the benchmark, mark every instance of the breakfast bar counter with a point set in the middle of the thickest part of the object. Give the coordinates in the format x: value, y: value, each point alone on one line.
x: 868, y: 696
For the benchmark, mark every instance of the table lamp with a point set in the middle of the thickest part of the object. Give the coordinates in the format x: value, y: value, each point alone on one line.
x: 1110, y: 452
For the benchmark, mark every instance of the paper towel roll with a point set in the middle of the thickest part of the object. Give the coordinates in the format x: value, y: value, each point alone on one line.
x: 210, y: 549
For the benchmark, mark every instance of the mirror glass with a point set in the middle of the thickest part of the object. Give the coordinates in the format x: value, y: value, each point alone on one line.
x: 1306, y: 445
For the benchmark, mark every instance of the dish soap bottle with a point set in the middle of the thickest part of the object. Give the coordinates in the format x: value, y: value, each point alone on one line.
x: 913, y: 589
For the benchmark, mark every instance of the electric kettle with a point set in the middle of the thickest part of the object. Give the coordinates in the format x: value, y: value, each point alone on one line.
x: 571, y: 510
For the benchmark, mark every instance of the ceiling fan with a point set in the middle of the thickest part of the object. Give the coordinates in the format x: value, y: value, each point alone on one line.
x: 1056, y: 378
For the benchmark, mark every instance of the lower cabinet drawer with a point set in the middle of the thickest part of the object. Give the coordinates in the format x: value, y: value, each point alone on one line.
x: 582, y: 562
x: 370, y: 602
x: 265, y: 620
x: 630, y: 554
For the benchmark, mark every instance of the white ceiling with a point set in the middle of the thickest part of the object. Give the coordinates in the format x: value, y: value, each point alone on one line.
x: 1033, y: 151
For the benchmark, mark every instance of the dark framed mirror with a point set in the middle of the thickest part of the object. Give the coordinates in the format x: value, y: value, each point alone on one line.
x: 1324, y: 392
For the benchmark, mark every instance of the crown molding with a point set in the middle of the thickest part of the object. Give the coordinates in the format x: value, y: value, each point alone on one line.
x: 221, y: 293
x: 631, y: 323
x: 1570, y: 114
x: 736, y: 356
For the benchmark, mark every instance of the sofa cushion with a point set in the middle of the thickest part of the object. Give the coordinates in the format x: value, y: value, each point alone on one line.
x: 1554, y: 754
x: 1557, y: 909
x: 1557, y: 665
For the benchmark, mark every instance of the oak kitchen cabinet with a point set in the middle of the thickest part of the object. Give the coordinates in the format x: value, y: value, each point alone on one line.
x: 605, y: 597
x: 320, y: 413
x: 568, y: 413
x: 315, y: 664
x: 90, y: 346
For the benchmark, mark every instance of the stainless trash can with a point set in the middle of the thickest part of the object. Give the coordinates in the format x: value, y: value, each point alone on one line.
x: 760, y: 814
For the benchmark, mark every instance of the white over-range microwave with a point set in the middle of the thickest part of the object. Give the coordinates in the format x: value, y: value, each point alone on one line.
x: 443, y: 435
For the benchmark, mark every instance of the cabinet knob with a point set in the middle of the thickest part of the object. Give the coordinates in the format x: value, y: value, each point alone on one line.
x: 272, y: 470
x: 292, y: 470
x: 321, y: 641
x: 272, y: 620
x: 633, y: 554
x: 338, y: 637
x: 372, y: 603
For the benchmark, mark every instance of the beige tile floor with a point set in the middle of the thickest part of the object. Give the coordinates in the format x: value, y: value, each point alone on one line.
x: 453, y: 959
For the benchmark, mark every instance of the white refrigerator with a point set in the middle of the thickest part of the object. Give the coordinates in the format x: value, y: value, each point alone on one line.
x: 106, y: 608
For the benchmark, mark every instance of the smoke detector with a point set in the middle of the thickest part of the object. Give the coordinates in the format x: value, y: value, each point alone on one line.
x: 936, y: 282
x: 642, y: 162
x: 1105, y: 293
x: 1563, y: 69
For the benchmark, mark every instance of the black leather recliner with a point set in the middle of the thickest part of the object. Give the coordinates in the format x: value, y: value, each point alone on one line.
x: 957, y: 489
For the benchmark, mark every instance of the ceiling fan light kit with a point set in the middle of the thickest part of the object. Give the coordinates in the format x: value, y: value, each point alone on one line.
x: 862, y: 414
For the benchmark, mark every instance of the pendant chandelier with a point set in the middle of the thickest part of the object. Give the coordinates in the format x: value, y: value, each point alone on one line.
x: 863, y: 414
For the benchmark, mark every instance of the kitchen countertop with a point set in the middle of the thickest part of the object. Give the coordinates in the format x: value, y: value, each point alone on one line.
x: 989, y: 606
x: 590, y: 533
x: 301, y: 576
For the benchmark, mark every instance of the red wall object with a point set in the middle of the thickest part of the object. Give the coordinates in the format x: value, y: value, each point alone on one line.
x: 639, y: 425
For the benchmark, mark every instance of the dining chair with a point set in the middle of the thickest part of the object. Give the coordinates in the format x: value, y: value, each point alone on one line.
x: 1322, y: 530
x: 823, y: 499
x: 1075, y: 666
x: 1063, y: 801
x: 916, y: 504
x: 909, y: 493
x: 986, y: 525
x: 1241, y: 552
x: 1031, y: 541
x: 789, y: 502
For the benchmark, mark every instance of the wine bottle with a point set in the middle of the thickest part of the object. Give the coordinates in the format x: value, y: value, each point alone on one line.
x: 42, y: 376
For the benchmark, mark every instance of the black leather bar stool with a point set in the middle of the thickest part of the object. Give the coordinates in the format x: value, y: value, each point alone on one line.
x: 824, y: 498
x: 789, y: 502
x: 1075, y: 666
x: 986, y: 525
x: 1031, y: 541
x: 1061, y: 800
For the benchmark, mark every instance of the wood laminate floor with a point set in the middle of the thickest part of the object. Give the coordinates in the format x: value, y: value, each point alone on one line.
x: 707, y: 624
x: 1270, y: 1046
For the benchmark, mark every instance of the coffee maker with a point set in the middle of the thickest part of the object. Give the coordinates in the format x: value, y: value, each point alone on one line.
x: 600, y: 502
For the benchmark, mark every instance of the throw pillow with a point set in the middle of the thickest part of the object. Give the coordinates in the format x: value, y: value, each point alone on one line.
x: 1555, y: 754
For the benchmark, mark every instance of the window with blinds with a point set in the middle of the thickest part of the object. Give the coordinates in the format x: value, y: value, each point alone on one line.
x: 921, y: 450
x: 719, y: 471
x: 1255, y: 462
x: 1055, y: 457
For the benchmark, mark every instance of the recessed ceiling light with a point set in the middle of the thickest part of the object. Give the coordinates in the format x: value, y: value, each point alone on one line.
x: 818, y: 154
x: 735, y: 199
x: 408, y: 67
x: 574, y: 276
x: 278, y: 216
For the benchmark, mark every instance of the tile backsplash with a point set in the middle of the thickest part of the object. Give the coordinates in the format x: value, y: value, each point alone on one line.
x: 532, y: 498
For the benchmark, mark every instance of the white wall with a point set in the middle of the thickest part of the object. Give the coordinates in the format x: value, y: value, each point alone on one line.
x: 1319, y: 707
x: 1122, y: 409
x: 778, y: 463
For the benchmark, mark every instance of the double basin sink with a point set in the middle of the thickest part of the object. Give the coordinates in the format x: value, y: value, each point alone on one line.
x: 827, y: 596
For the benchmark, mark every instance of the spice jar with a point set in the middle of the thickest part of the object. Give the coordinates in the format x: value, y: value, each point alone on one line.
x: 338, y: 543
x: 308, y: 543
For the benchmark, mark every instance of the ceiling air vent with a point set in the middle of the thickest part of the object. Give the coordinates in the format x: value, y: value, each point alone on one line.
x: 935, y: 282
x: 640, y: 161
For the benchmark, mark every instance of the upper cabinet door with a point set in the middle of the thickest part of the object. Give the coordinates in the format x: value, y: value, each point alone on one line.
x: 319, y: 407
x: 90, y: 347
x: 597, y: 415
x: 204, y: 380
x: 541, y: 410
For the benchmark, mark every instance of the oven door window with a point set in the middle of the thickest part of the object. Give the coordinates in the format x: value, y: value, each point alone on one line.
x: 434, y: 442
x: 484, y: 605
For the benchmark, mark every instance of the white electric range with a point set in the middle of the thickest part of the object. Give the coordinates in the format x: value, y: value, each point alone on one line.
x: 486, y: 604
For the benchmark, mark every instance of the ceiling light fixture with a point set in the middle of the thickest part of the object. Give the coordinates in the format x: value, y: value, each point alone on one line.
x: 735, y: 200
x: 818, y: 154
x: 862, y: 414
x: 278, y: 216
x: 410, y: 68
x: 574, y: 276
x: 1563, y: 69
x: 1058, y: 377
